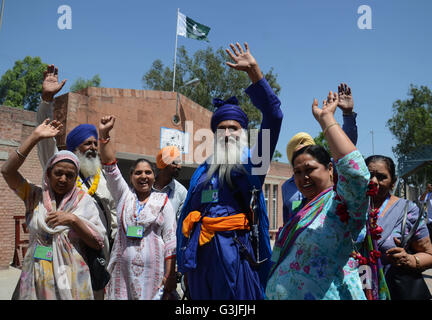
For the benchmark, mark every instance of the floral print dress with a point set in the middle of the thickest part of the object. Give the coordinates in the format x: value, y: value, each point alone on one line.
x: 318, y: 264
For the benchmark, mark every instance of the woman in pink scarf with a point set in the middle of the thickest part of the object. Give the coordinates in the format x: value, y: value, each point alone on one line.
x: 61, y: 223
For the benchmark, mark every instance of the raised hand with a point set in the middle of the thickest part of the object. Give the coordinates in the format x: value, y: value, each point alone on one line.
x: 47, y: 129
x: 346, y: 102
x: 328, y: 108
x: 244, y: 61
x: 50, y: 85
x: 105, y: 125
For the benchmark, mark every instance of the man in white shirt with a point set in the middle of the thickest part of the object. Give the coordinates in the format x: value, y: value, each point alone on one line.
x: 168, y: 163
x: 83, y: 141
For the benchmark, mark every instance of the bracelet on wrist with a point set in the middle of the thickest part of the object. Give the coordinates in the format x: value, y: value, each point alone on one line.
x: 20, y: 155
x: 329, y: 126
x: 102, y: 140
x: 417, y: 262
x: 110, y: 163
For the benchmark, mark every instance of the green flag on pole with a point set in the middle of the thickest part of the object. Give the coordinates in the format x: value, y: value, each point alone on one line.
x: 186, y: 27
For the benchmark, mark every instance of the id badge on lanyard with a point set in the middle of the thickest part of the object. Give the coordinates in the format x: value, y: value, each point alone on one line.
x: 43, y: 253
x: 136, y: 231
x: 211, y: 195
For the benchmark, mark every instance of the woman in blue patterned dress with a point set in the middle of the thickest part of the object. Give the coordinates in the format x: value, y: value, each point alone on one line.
x: 311, y: 255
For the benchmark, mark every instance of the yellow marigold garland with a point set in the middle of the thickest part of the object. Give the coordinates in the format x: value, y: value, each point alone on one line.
x: 94, y: 185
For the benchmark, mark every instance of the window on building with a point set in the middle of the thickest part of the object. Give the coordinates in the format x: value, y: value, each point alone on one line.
x: 275, y: 206
x: 266, y: 195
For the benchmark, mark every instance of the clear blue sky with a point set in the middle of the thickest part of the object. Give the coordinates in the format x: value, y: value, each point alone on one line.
x: 313, y: 45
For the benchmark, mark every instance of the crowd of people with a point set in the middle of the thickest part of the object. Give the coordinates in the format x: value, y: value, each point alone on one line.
x: 94, y: 235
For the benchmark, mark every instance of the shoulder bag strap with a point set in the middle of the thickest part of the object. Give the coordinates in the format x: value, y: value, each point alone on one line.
x: 405, y: 240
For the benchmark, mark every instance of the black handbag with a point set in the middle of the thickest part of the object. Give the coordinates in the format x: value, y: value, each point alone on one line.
x: 97, y: 265
x: 403, y: 283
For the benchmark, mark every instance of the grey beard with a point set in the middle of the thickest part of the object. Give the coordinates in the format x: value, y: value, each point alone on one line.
x: 226, y: 159
x: 225, y: 171
x: 88, y: 166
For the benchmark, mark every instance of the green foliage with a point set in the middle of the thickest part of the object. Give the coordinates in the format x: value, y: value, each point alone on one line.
x: 321, y: 141
x: 81, y: 83
x: 21, y: 86
x: 217, y: 80
x: 411, y: 125
x: 276, y: 156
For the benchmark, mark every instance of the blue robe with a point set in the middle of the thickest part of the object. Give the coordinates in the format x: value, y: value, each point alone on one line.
x: 217, y: 270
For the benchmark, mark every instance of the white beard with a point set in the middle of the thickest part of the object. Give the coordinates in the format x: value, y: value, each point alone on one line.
x: 226, y: 158
x: 88, y: 166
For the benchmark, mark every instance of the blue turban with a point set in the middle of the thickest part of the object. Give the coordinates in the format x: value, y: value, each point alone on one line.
x: 79, y: 134
x: 228, y: 110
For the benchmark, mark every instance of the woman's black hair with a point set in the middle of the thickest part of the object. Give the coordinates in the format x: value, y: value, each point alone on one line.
x: 132, y: 168
x: 387, y: 160
x: 316, y: 151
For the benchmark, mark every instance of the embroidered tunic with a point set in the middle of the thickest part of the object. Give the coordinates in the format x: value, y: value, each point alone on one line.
x: 137, y: 265
x: 318, y: 265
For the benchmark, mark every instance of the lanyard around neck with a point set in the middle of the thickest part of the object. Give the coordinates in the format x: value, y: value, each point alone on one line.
x: 140, y: 207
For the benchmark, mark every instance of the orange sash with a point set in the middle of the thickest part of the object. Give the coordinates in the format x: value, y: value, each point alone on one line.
x: 211, y: 225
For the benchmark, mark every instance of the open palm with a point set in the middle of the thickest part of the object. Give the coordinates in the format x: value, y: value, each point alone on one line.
x: 48, y: 129
x: 51, y: 85
x: 328, y: 108
x: 243, y: 60
x: 346, y: 102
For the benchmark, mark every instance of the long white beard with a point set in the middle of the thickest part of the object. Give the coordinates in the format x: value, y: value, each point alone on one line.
x: 226, y: 158
x: 88, y: 166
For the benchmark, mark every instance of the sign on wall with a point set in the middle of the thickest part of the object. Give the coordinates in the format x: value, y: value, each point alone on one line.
x: 174, y: 137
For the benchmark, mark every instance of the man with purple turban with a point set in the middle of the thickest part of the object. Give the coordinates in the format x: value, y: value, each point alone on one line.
x: 223, y: 247
x: 83, y: 142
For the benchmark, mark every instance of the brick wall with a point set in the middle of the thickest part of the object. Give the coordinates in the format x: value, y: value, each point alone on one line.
x: 140, y: 114
x: 15, y: 126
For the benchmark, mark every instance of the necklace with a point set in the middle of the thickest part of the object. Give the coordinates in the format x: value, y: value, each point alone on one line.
x: 91, y: 191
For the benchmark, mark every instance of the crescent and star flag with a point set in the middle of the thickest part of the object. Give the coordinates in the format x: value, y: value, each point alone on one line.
x: 186, y: 27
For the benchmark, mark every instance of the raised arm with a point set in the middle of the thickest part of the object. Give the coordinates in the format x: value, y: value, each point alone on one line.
x: 263, y: 97
x: 50, y: 87
x: 339, y: 143
x: 115, y: 182
x: 244, y: 61
x: 9, y: 170
x: 346, y: 104
x: 106, y: 148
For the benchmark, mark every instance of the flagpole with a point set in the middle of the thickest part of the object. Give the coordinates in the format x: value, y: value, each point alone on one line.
x: 175, y: 51
x: 1, y: 12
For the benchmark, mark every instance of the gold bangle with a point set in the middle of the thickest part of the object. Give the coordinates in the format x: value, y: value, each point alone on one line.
x: 417, y: 262
x: 329, y: 126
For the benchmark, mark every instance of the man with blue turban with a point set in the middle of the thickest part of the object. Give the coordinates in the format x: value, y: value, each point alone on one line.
x: 223, y: 244
x: 83, y: 141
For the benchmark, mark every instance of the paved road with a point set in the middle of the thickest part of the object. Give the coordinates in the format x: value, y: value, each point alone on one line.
x: 9, y: 278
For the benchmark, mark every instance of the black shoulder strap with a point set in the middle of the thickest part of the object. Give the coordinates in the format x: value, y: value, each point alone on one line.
x: 99, y: 202
x: 404, y: 240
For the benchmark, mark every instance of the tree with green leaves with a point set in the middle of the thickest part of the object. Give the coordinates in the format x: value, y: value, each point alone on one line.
x: 217, y: 80
x: 276, y: 156
x: 81, y: 83
x: 411, y: 125
x: 321, y: 141
x: 21, y: 86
